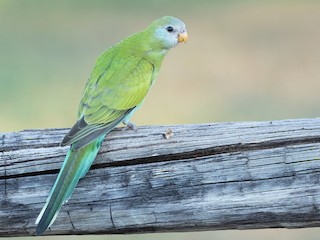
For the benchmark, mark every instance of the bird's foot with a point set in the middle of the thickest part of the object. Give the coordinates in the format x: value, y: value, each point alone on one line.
x: 130, y: 126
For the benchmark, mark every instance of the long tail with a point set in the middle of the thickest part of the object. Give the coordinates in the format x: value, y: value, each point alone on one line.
x: 75, y: 166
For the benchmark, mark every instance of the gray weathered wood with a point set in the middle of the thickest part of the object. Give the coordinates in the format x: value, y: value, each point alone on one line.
x: 241, y: 175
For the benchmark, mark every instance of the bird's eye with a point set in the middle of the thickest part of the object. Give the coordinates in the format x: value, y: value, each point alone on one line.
x: 169, y: 29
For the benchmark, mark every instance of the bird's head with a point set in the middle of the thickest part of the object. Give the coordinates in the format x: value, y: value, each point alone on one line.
x: 168, y: 32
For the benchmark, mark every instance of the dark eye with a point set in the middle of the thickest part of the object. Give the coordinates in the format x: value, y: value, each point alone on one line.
x: 169, y: 29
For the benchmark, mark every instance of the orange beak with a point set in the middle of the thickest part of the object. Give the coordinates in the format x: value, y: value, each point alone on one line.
x: 183, y: 37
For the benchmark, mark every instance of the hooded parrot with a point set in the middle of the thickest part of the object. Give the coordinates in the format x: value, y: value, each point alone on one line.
x: 119, y: 82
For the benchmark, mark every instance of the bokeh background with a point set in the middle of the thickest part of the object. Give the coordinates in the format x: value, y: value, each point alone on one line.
x: 245, y: 60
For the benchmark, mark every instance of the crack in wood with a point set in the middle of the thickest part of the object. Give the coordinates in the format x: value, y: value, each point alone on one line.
x: 15, y: 148
x: 212, y: 151
x: 71, y: 220
x: 111, y: 217
x: 62, y: 155
x: 188, y: 155
x: 25, y: 227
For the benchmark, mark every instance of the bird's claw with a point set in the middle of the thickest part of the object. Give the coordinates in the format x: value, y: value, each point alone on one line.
x: 130, y: 126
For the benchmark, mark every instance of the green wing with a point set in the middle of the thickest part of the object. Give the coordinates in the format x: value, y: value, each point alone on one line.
x: 118, y: 83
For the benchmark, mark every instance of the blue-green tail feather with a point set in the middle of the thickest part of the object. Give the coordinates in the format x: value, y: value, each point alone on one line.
x: 76, y: 165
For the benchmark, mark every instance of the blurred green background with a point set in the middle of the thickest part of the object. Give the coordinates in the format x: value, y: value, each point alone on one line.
x: 245, y: 60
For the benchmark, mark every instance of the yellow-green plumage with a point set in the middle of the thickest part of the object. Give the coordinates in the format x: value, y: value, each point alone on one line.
x: 118, y: 84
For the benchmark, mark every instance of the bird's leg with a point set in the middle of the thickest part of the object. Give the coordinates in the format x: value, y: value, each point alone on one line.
x: 130, y: 125
x: 126, y: 120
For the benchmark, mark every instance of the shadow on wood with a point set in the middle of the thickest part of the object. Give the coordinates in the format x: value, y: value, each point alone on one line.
x: 244, y: 175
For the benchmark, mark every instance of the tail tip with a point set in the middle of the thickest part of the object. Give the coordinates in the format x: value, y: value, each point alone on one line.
x: 39, y: 230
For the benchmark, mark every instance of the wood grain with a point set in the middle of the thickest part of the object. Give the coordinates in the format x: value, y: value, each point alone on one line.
x: 243, y: 175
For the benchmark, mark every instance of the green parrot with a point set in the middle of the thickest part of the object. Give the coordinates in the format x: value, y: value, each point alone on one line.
x: 118, y: 84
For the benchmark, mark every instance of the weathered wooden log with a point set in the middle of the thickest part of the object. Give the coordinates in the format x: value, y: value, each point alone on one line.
x: 243, y: 175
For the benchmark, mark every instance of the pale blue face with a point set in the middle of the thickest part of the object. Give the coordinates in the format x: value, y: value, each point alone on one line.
x: 168, y: 30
